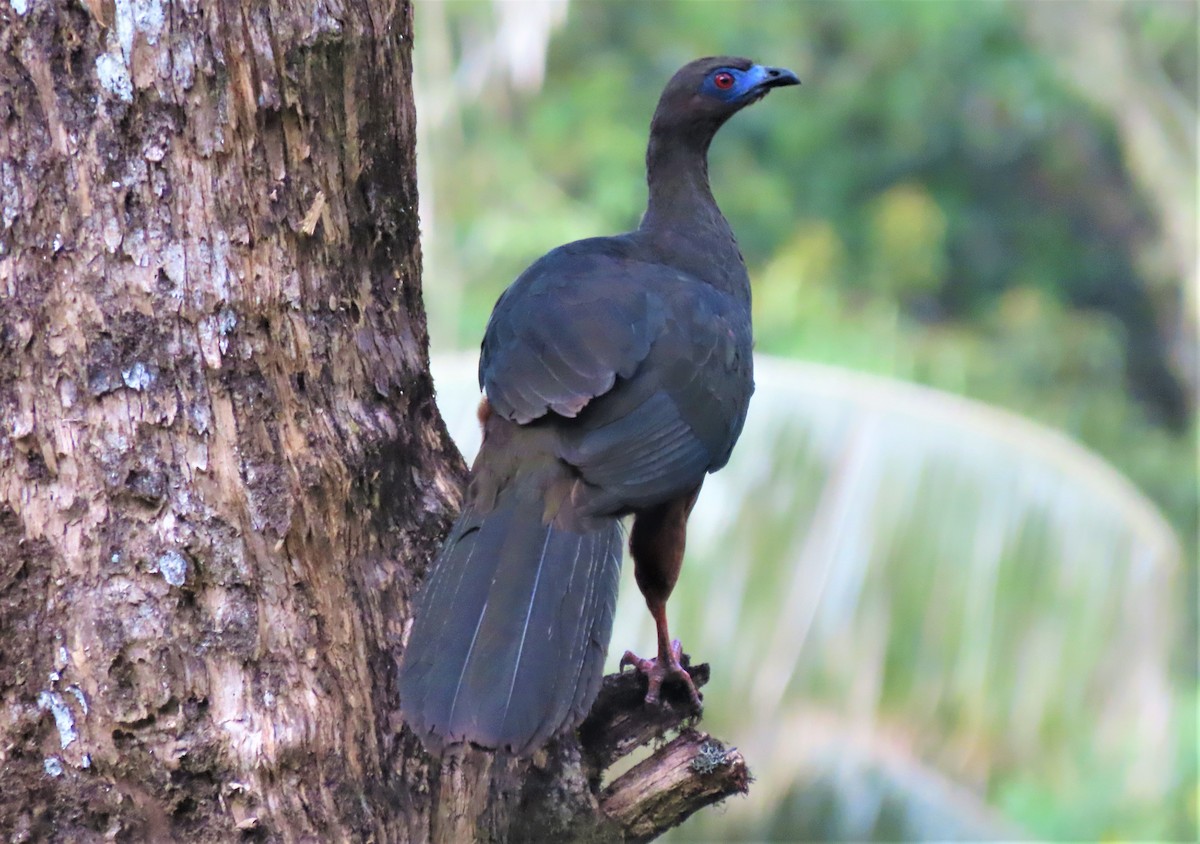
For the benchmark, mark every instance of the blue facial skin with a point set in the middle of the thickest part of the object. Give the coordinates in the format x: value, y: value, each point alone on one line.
x: 748, y: 85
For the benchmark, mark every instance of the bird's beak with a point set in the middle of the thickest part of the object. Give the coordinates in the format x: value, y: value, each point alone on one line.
x: 773, y: 77
x: 766, y: 78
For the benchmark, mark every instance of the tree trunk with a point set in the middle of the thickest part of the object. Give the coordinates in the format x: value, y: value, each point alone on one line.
x: 220, y: 435
x: 222, y: 472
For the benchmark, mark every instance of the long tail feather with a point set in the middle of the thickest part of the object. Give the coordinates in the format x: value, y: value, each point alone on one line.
x: 512, y: 628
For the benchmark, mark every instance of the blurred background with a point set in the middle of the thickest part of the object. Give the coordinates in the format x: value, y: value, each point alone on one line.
x: 948, y: 583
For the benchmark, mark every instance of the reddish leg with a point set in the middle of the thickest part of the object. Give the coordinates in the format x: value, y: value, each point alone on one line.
x: 656, y: 543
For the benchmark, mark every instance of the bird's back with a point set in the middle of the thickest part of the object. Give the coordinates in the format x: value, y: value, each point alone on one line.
x: 642, y: 367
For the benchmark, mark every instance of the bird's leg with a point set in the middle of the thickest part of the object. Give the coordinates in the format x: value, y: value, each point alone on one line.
x: 666, y: 664
x: 656, y: 544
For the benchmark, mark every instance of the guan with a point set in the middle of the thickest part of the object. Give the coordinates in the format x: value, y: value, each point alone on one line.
x: 616, y: 372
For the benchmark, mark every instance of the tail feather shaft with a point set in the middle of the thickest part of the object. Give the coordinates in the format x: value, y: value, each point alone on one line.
x: 512, y: 627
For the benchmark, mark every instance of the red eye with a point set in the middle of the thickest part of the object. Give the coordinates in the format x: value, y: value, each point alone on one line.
x: 723, y: 80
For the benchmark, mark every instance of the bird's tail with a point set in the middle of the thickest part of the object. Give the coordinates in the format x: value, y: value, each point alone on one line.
x: 512, y: 627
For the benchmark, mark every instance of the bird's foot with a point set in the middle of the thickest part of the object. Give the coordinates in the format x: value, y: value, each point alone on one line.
x: 663, y: 667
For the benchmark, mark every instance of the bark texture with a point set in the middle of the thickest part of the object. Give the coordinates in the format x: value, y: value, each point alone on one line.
x: 219, y: 438
x: 222, y: 472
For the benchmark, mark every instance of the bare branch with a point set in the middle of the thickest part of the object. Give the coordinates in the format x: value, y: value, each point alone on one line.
x: 563, y: 799
x: 692, y: 771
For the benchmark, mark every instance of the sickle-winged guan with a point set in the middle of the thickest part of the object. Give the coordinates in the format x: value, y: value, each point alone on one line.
x: 617, y: 373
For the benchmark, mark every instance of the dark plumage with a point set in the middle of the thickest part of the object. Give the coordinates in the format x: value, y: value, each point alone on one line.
x: 617, y: 372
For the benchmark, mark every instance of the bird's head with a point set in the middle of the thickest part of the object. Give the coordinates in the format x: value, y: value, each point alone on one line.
x: 705, y: 93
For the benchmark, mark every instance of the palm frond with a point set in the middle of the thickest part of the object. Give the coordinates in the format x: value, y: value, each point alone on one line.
x: 927, y: 565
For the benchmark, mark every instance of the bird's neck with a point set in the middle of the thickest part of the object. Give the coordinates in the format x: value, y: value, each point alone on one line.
x: 677, y: 175
x: 682, y: 218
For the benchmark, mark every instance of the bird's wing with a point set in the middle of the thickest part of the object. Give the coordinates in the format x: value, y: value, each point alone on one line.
x: 646, y: 367
x: 566, y: 330
x: 656, y: 434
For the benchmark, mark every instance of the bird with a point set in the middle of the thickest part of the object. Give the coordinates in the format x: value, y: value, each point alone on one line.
x: 616, y: 374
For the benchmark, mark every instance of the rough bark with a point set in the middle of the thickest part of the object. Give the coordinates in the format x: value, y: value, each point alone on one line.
x: 220, y: 438
x: 222, y: 472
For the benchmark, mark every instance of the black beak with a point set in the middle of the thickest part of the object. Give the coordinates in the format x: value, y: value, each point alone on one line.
x: 767, y: 78
x: 777, y: 77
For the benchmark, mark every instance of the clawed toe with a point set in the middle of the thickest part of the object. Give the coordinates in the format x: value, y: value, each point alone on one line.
x: 659, y: 669
x: 642, y: 665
